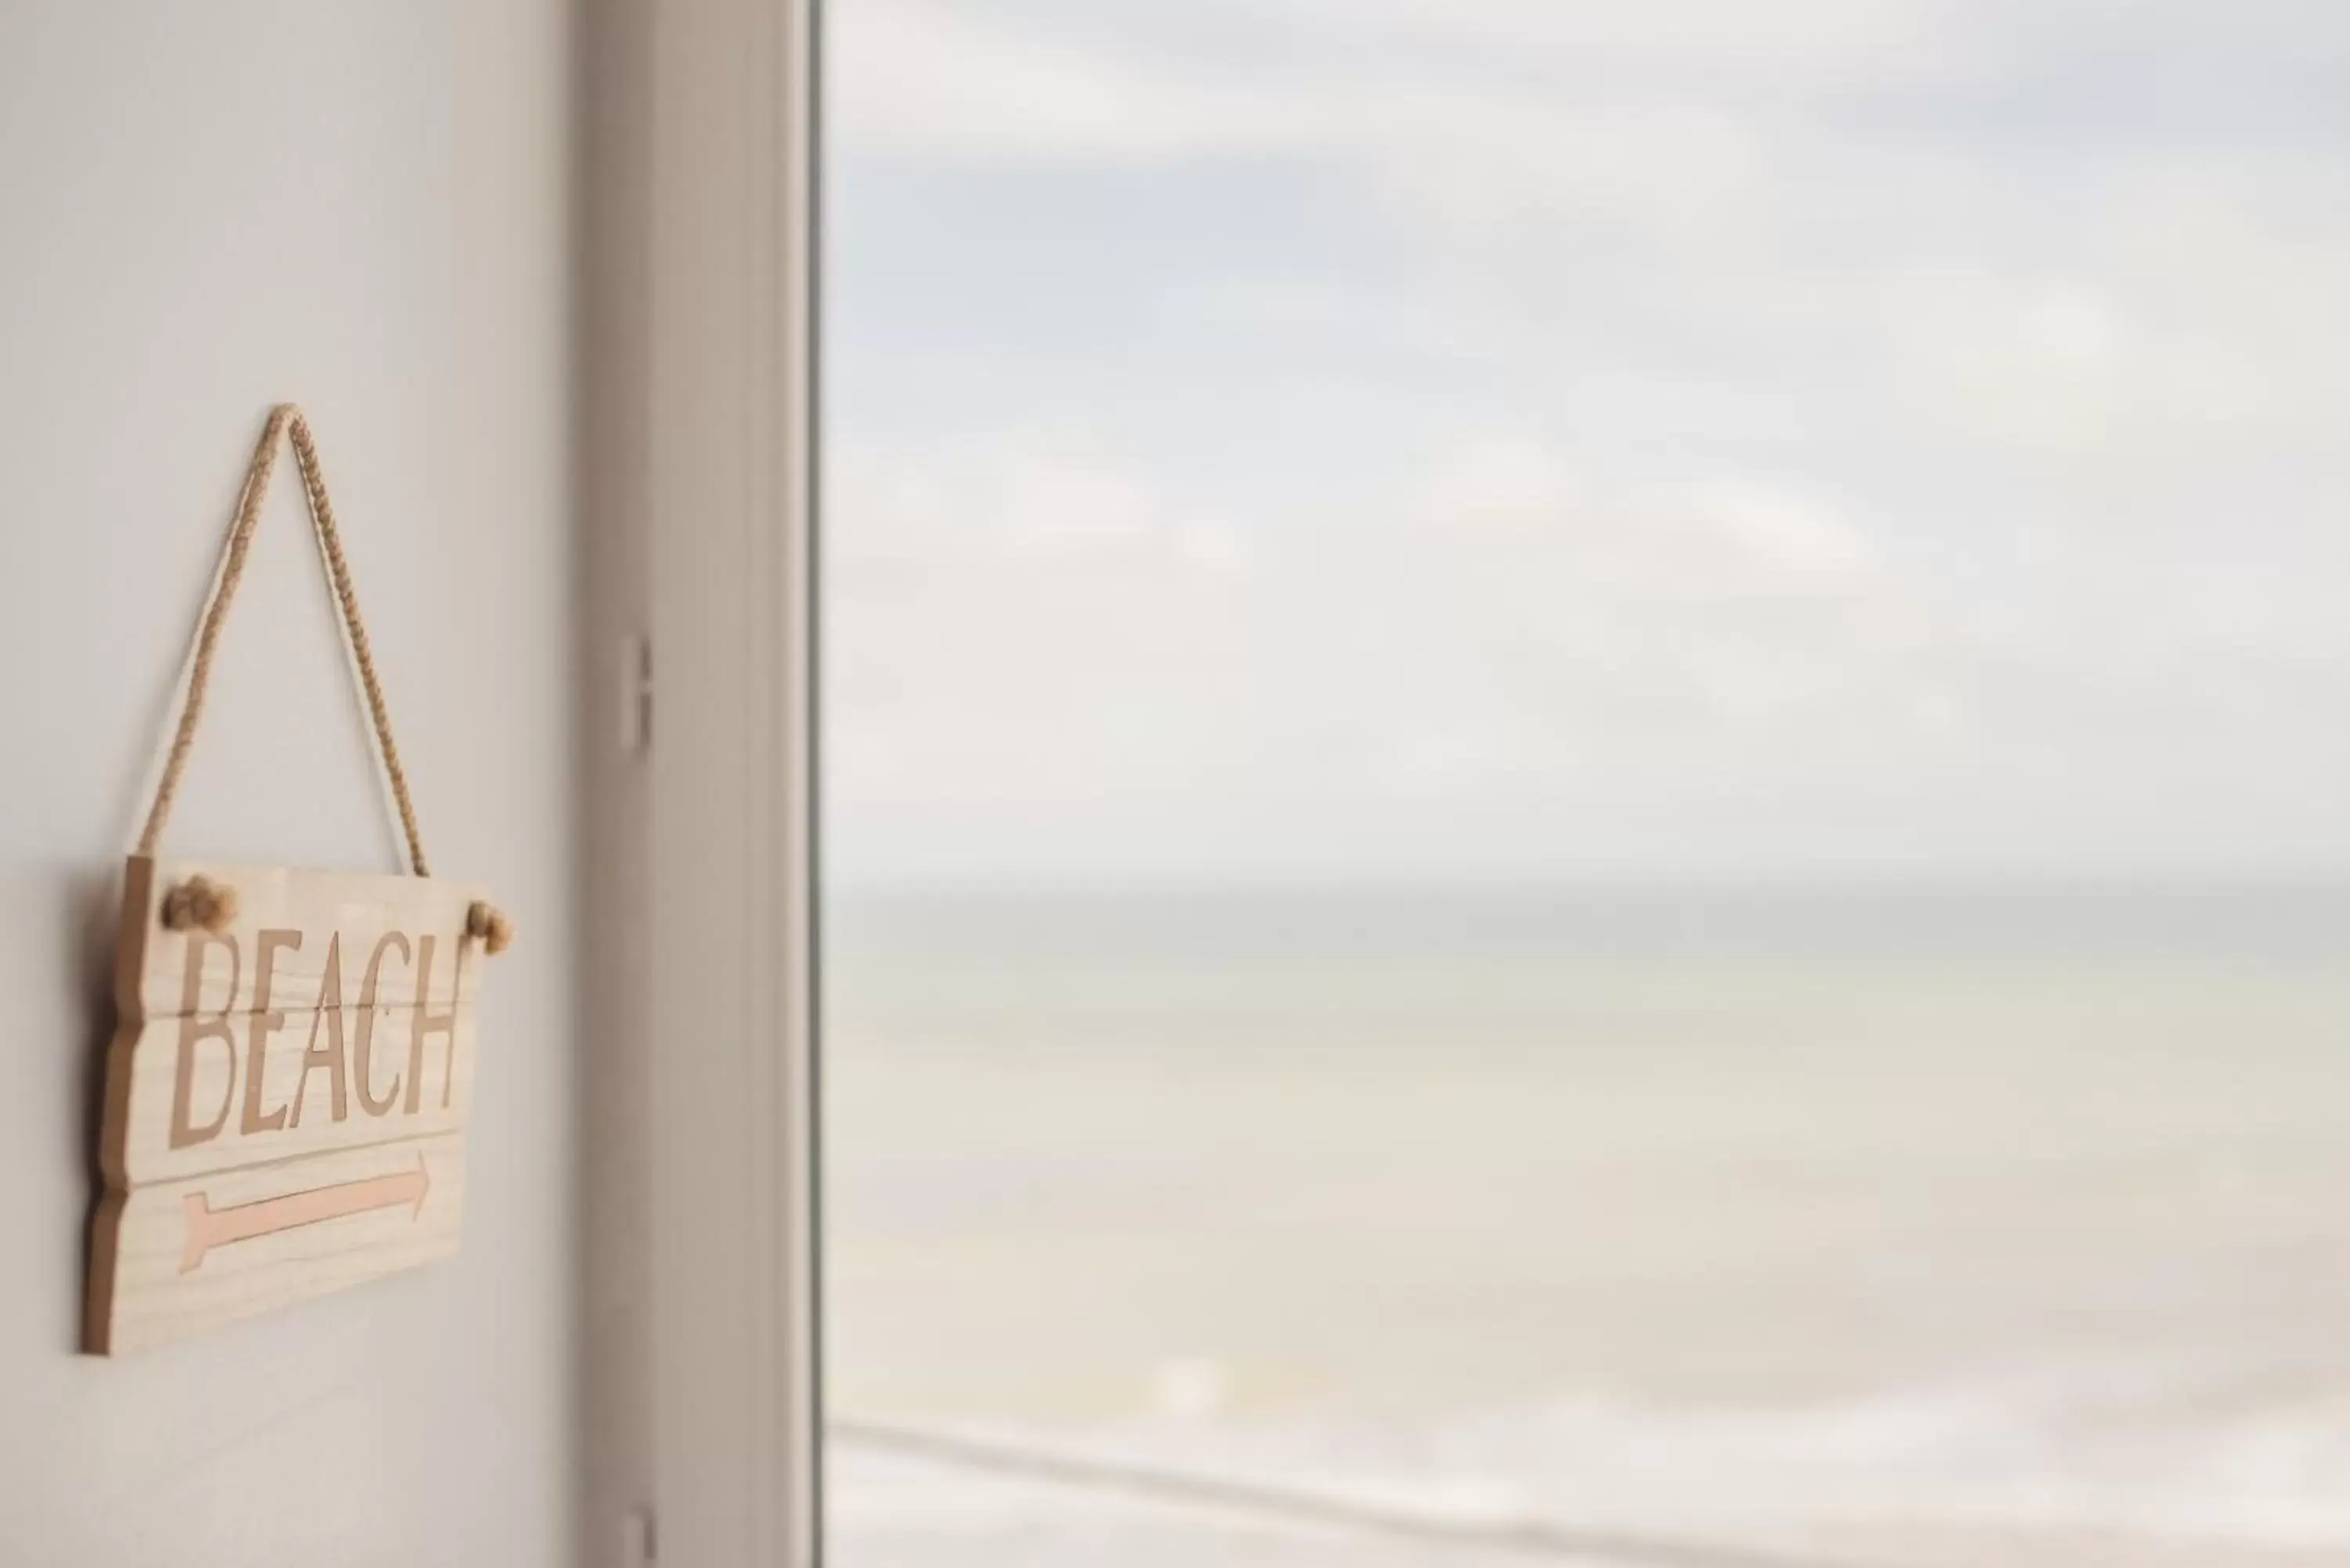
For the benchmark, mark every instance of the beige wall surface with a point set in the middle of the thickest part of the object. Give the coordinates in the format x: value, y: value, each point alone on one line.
x: 363, y: 206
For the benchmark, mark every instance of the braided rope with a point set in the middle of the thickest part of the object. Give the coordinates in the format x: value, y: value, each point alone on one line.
x: 283, y: 419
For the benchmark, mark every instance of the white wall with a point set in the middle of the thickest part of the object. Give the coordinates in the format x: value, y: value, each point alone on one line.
x: 361, y: 205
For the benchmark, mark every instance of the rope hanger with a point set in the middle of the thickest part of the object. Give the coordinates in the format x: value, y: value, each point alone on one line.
x: 199, y: 901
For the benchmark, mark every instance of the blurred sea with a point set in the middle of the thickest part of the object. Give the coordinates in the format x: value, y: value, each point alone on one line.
x: 1839, y: 1226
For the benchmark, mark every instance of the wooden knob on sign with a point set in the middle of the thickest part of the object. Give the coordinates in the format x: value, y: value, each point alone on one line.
x: 199, y: 903
x: 489, y: 927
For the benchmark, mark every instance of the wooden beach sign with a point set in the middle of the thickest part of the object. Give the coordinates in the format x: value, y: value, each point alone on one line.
x: 289, y: 1084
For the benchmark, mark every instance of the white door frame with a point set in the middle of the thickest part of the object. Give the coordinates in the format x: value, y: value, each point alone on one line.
x: 729, y: 483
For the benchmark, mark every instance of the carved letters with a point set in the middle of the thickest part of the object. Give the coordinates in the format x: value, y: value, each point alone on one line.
x: 340, y: 1042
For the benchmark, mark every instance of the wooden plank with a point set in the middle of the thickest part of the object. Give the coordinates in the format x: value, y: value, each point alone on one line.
x: 178, y: 1257
x: 286, y: 1097
x: 306, y: 933
x: 182, y: 1097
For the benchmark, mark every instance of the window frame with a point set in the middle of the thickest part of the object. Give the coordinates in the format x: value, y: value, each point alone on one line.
x: 723, y: 228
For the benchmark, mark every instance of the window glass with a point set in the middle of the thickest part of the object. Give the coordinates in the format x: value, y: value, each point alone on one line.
x: 1587, y: 782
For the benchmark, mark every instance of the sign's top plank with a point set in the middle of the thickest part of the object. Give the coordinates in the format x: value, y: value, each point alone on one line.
x: 302, y: 928
x: 189, y: 1096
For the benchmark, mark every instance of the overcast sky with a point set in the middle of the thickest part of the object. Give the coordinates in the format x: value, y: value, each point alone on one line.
x: 1276, y: 439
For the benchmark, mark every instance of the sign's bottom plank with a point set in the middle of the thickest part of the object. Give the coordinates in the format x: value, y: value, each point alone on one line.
x: 176, y: 1258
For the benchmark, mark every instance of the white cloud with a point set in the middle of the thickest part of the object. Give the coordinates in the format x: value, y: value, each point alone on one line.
x: 924, y: 82
x: 1811, y: 40
x: 1065, y: 642
x: 1507, y: 479
x: 955, y: 83
x: 1042, y: 653
x: 930, y: 81
x: 1794, y: 536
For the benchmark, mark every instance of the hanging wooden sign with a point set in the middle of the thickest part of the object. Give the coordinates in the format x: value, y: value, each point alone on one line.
x: 287, y: 1089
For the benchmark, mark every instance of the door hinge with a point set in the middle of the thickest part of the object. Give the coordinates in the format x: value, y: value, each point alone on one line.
x: 638, y: 1547
x: 636, y: 693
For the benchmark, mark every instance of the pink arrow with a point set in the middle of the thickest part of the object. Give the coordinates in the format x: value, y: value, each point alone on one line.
x: 208, y: 1228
